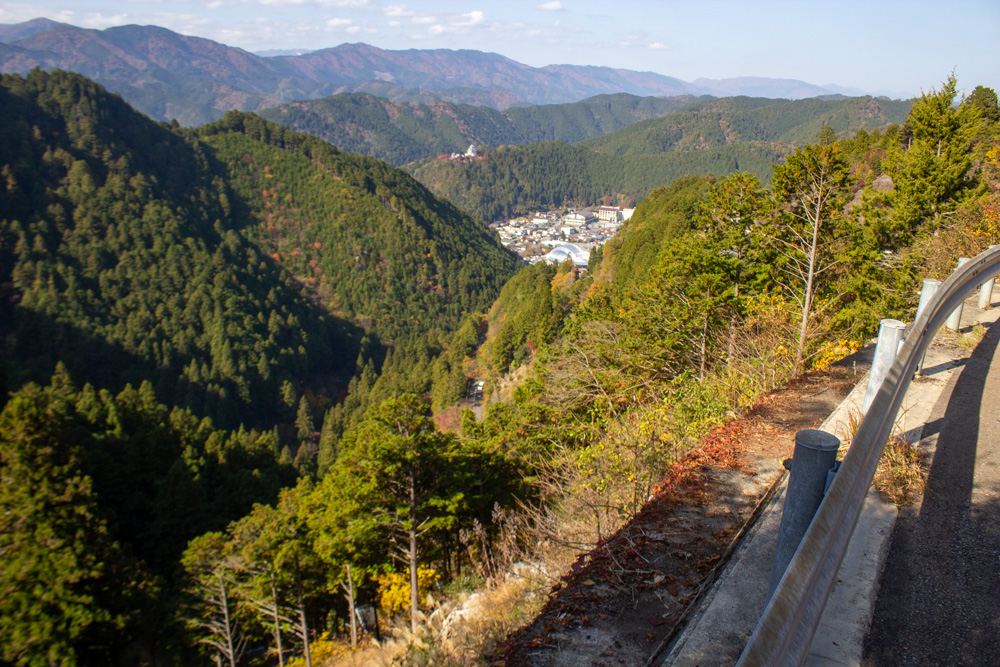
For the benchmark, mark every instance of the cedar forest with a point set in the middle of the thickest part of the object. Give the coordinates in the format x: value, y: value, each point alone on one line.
x: 236, y: 359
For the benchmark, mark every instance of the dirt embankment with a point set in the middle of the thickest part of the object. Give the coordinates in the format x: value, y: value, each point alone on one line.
x: 623, y: 601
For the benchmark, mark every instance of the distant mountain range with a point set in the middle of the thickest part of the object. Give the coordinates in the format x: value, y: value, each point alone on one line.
x: 171, y: 76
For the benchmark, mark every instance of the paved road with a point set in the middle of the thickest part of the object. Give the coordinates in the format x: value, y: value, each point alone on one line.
x: 940, y: 598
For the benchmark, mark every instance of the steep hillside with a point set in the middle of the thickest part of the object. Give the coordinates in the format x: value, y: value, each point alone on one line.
x: 664, y: 216
x: 235, y: 269
x: 366, y: 239
x: 125, y: 257
x: 404, y: 132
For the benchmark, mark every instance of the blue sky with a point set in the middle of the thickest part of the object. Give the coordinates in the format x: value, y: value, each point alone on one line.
x: 889, y: 46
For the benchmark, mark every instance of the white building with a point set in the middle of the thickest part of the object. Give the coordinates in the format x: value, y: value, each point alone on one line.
x: 579, y: 218
x: 559, y: 254
x: 609, y: 214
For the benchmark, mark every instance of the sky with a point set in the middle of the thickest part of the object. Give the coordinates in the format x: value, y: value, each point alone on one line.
x: 895, y: 47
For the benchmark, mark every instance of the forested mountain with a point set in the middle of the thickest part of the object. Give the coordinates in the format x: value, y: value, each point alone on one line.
x: 513, y: 180
x: 399, y: 133
x: 167, y: 75
x: 125, y: 256
x: 704, y: 137
x: 243, y: 273
x: 174, y: 283
x: 720, y: 122
x: 233, y: 269
x: 367, y: 240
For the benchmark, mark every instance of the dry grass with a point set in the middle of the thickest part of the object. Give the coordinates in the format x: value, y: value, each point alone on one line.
x: 458, y: 633
x: 902, y: 471
x: 459, y: 628
x: 970, y: 340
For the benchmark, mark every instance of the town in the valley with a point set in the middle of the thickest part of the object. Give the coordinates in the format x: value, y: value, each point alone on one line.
x: 555, y: 235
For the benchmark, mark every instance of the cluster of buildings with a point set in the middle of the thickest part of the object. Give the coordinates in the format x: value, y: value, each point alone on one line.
x: 534, y: 237
x: 472, y: 153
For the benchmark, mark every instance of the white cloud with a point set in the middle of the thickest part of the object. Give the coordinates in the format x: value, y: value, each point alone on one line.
x: 323, y: 4
x: 100, y: 21
x: 660, y: 46
x: 554, y: 6
x: 470, y: 19
x: 398, y: 10
x: 462, y: 24
x: 336, y: 23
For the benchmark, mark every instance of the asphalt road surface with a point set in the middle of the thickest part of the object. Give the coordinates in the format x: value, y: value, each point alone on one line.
x: 939, y: 603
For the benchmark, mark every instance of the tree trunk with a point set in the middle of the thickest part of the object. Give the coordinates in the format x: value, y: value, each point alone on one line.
x: 302, y: 618
x: 704, y: 345
x: 811, y: 274
x: 277, y: 623
x: 350, y: 608
x: 231, y: 651
x: 414, y: 592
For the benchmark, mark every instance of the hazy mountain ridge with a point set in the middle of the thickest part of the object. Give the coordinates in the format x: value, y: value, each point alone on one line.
x: 756, y: 86
x: 163, y: 74
x: 14, y: 31
x: 168, y: 75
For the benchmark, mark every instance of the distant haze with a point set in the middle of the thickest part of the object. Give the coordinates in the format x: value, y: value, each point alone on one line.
x: 195, y: 80
x: 887, y: 47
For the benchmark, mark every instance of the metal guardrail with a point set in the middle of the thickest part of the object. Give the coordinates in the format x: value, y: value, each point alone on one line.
x: 785, y: 630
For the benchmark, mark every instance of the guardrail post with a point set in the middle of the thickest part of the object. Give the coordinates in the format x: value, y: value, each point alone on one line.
x: 890, y: 334
x: 927, y: 293
x: 815, y: 454
x: 986, y: 290
x: 954, y: 321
